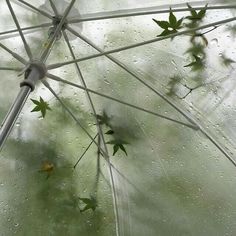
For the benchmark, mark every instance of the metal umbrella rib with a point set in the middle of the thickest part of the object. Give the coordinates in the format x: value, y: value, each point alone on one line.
x: 105, y: 152
x: 72, y: 115
x: 36, y: 9
x: 26, y: 29
x: 15, y: 55
x: 56, y: 78
x: 10, y: 68
x: 101, y: 135
x: 134, y: 75
x: 185, y: 32
x: 27, y: 48
x: 144, y: 12
x: 53, y: 7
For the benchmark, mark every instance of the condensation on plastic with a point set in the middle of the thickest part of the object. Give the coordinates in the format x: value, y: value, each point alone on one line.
x: 174, y: 181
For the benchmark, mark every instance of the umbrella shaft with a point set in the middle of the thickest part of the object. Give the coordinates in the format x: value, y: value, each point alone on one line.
x: 13, y: 113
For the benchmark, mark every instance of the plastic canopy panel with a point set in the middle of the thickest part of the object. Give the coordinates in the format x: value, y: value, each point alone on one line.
x: 130, y: 129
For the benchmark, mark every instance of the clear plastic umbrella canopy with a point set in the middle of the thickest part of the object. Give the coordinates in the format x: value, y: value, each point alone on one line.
x: 118, y: 117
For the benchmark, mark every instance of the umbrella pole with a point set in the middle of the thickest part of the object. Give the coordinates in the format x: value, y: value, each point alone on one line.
x: 27, y: 86
x: 34, y: 72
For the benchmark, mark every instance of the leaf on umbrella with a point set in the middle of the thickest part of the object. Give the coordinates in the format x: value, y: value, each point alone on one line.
x: 197, y: 49
x: 110, y: 132
x: 196, y: 16
x: 41, y: 106
x: 118, y: 144
x: 90, y: 203
x: 103, y: 119
x: 169, y: 27
x: 197, y: 64
x: 162, y: 24
x: 47, y: 167
x: 172, y: 19
x: 121, y: 146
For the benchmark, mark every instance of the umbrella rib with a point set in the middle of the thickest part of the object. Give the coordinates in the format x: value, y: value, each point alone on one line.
x: 84, y: 85
x: 56, y: 78
x: 53, y: 7
x: 143, y: 12
x: 101, y: 135
x: 80, y: 158
x: 117, y: 62
x: 57, y: 65
x: 36, y: 9
x: 104, y: 152
x: 26, y: 28
x: 10, y: 68
x: 219, y: 146
x: 27, y: 48
x: 51, y: 39
x: 98, y: 169
x: 15, y: 55
x: 171, y: 103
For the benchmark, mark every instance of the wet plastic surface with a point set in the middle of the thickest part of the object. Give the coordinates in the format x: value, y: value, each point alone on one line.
x: 174, y: 180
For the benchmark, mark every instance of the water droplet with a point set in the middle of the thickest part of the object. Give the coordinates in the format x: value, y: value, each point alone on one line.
x: 214, y: 41
x: 106, y: 81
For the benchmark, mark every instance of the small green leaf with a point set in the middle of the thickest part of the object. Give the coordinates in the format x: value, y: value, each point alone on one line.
x: 179, y: 23
x: 41, y: 106
x: 162, y: 24
x: 118, y: 144
x: 170, y: 27
x: 193, y: 12
x: 123, y: 149
x: 172, y: 19
x: 103, y: 119
x: 110, y: 132
x: 197, y: 64
x: 115, y: 149
x: 202, y: 13
x: 196, y: 16
x: 166, y: 32
x: 196, y: 49
x: 90, y: 203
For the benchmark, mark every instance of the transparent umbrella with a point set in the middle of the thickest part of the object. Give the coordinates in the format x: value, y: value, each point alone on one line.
x: 124, y: 119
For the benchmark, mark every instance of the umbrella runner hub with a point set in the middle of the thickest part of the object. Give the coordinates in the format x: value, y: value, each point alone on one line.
x: 34, y: 72
x: 55, y: 22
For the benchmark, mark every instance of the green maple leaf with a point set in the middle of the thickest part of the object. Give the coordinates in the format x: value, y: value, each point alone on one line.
x: 196, y: 16
x: 41, y: 106
x: 110, y: 132
x: 104, y: 119
x: 90, y: 203
x: 197, y: 64
x: 197, y: 49
x: 118, y: 144
x: 169, y: 27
